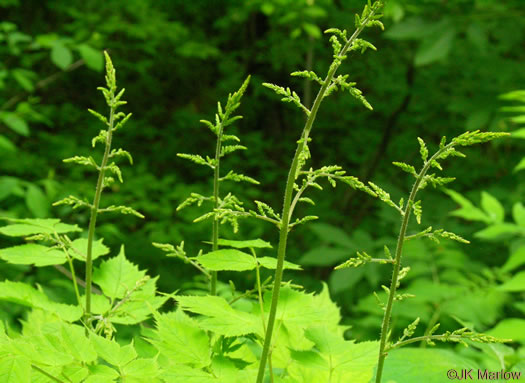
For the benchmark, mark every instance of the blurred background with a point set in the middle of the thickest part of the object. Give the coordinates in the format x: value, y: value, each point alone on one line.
x: 440, y: 69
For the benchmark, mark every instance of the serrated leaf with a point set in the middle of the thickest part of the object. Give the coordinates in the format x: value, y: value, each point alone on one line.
x: 117, y: 276
x: 271, y: 263
x: 220, y: 317
x: 179, y: 338
x: 304, y: 310
x: 246, y: 244
x: 227, y: 259
x: 15, y: 369
x: 32, y: 254
x: 140, y: 370
x: 140, y: 305
x: 75, y: 342
x: 32, y: 226
x: 343, y: 361
x: 100, y: 373
x: 111, y: 351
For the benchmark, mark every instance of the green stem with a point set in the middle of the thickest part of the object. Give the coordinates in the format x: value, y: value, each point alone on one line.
x: 261, y: 307
x: 285, y: 220
x: 94, y: 212
x: 259, y: 289
x: 385, y: 327
x: 73, y: 276
x: 216, y: 185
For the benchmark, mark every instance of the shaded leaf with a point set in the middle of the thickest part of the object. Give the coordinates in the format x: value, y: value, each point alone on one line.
x: 492, y: 207
x: 516, y: 259
x: 271, y: 263
x: 324, y: 256
x: 61, y: 55
x: 435, y: 47
x: 15, y: 123
x: 92, y: 57
x: 37, y: 202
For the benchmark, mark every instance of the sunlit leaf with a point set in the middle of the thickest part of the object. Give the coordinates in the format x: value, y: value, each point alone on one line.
x: 227, y: 259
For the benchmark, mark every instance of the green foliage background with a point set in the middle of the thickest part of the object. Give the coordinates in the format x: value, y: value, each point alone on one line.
x: 440, y: 70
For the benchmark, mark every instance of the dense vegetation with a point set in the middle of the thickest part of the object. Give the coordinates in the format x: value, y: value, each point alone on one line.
x: 204, y: 313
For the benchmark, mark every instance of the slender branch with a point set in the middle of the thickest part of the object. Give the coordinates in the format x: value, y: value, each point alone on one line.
x: 73, y: 276
x: 198, y: 267
x: 80, y: 282
x: 285, y: 220
x: 385, y: 327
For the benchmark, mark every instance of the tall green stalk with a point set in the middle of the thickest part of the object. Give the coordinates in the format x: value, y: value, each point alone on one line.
x: 105, y: 136
x: 228, y: 207
x: 422, y: 179
x: 286, y: 216
x: 216, y: 185
x: 385, y: 327
x: 95, y: 207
